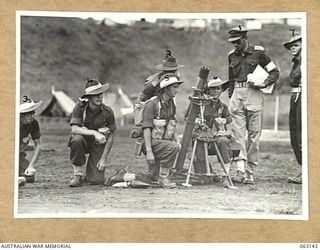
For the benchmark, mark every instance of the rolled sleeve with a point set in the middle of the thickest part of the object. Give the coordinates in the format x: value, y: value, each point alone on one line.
x: 35, y: 130
x: 77, y: 116
x: 111, y: 122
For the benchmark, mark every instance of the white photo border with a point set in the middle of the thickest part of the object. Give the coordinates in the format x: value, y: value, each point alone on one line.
x: 139, y: 15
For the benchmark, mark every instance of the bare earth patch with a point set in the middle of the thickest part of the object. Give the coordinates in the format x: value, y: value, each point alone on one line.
x: 271, y: 195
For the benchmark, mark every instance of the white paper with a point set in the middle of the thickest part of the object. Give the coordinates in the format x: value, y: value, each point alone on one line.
x: 258, y: 76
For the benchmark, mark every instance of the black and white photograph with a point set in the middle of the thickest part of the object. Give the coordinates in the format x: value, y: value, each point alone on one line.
x: 161, y: 115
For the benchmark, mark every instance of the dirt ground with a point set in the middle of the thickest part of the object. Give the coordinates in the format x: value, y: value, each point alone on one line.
x: 270, y: 196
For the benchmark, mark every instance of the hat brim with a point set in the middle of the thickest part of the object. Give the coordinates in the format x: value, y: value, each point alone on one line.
x: 97, y: 91
x: 164, y: 68
x: 224, y: 85
x: 178, y: 82
x: 33, y: 108
x: 232, y: 39
x: 288, y: 45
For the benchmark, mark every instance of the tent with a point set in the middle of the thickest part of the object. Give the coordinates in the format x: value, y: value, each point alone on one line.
x: 59, y: 104
x: 121, y: 105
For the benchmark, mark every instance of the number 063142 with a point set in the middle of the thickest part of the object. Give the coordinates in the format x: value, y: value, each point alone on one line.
x: 309, y: 245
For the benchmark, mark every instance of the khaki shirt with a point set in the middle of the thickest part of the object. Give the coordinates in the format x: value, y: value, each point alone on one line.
x: 295, y: 74
x: 103, y: 117
x: 151, y: 111
x: 242, y: 64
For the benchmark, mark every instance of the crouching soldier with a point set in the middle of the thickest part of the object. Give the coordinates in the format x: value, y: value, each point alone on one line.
x: 159, y: 131
x: 29, y: 129
x: 92, y: 132
x: 218, y: 120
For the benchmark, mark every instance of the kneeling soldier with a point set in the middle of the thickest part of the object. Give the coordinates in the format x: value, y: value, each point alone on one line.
x: 159, y: 131
x: 92, y: 132
x: 29, y: 129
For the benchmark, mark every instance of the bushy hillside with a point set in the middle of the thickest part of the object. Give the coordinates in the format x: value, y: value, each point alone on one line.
x: 65, y: 51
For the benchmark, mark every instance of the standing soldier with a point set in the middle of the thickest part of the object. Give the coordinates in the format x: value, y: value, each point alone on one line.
x: 29, y: 129
x: 294, y: 45
x: 169, y: 66
x: 159, y: 131
x: 92, y: 132
x: 246, y: 104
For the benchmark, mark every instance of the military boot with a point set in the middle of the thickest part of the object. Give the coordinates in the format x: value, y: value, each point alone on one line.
x: 30, y: 178
x: 164, y: 180
x: 239, y: 177
x: 76, y: 181
x: 112, y: 176
x: 225, y: 181
x: 249, y: 178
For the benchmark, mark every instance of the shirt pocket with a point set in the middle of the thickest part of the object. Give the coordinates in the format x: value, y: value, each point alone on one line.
x: 98, y: 121
x: 251, y: 65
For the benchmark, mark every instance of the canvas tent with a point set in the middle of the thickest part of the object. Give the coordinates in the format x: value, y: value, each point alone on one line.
x: 59, y: 104
x: 121, y: 105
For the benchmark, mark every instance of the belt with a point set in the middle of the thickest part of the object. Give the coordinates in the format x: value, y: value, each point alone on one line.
x: 296, y: 90
x: 241, y: 85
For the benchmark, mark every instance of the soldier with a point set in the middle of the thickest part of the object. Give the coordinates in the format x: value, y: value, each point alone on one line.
x: 246, y: 104
x: 169, y: 66
x: 294, y: 45
x: 159, y: 131
x: 92, y: 132
x: 218, y: 120
x: 29, y: 129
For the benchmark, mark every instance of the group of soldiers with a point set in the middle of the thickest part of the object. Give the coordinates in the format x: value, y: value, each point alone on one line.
x: 93, y: 123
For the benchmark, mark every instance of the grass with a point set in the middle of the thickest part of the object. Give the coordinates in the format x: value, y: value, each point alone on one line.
x: 64, y: 51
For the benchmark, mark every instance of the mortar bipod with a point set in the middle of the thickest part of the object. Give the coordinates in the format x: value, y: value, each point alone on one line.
x: 206, y: 137
x: 201, y: 102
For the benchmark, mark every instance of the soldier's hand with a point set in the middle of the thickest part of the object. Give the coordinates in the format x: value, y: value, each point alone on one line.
x: 100, y: 138
x: 150, y: 157
x: 228, y: 134
x: 102, y: 164
x: 30, y: 171
x: 252, y: 84
x: 221, y: 133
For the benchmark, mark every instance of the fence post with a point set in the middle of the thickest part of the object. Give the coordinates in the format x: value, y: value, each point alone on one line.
x: 276, y: 114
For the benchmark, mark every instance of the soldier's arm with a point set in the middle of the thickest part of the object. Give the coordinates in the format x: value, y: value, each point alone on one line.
x: 81, y: 130
x: 147, y: 141
x: 231, y: 77
x: 273, y: 77
x: 110, y: 122
x: 102, y: 164
x: 147, y: 126
x: 37, y: 150
x: 267, y: 63
x: 76, y: 123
